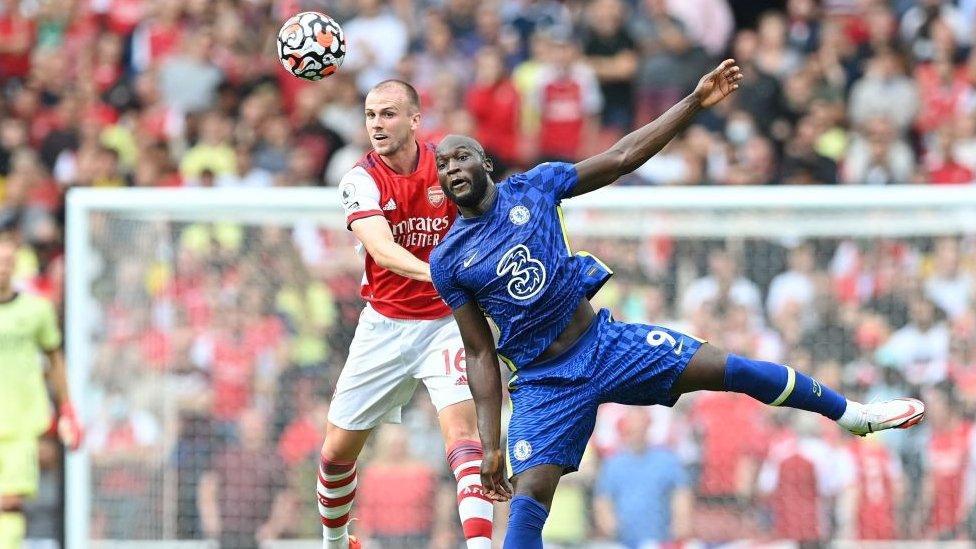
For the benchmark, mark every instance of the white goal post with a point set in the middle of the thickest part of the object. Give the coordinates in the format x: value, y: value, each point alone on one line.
x: 776, y: 213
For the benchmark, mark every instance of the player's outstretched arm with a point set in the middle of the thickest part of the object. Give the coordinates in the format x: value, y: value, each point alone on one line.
x: 375, y: 234
x: 484, y: 380
x: 635, y: 148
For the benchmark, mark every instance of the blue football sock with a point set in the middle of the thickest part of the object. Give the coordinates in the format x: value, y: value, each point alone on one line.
x: 526, y: 517
x: 778, y: 385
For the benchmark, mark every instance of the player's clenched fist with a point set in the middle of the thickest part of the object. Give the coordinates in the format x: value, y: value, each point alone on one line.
x: 497, y: 487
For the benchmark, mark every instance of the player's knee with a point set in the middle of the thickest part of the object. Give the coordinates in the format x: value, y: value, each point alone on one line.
x: 340, y: 445
x: 457, y: 432
x: 459, y: 422
x: 333, y: 449
x: 539, y: 489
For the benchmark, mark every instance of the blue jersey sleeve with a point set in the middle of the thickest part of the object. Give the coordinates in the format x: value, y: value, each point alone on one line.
x: 554, y: 178
x: 445, y: 284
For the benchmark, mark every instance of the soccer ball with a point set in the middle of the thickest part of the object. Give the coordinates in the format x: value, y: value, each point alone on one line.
x: 311, y: 45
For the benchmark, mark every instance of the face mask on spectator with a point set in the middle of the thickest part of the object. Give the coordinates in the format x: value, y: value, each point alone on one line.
x: 738, y: 131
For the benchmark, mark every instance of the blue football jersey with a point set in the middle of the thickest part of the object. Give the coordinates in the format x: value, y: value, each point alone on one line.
x: 515, y: 262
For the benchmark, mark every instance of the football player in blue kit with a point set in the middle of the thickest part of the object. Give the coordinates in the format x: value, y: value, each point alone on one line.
x: 507, y: 258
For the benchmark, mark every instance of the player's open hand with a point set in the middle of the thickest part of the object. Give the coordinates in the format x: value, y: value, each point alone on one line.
x: 493, y: 478
x: 718, y: 84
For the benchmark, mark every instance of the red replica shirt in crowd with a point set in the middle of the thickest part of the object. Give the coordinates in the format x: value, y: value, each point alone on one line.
x: 797, y: 476
x: 722, y: 418
x: 561, y: 130
x: 396, y: 500
x: 495, y: 109
x: 940, y: 101
x: 950, y: 173
x: 566, y: 98
x: 233, y: 373
x: 15, y: 64
x: 796, y: 507
x: 948, y: 454
x: 877, y: 472
x: 419, y: 215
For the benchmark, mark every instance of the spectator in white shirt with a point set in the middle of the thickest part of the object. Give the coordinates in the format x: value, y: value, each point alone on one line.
x: 795, y: 287
x: 722, y: 286
x: 920, y: 348
x: 948, y: 286
x: 376, y: 40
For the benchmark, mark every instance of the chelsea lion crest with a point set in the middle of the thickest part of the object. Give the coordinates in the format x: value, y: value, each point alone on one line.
x: 519, y: 215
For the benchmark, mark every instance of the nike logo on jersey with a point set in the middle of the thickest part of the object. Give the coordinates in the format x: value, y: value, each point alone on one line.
x: 679, y: 348
x: 468, y: 261
x: 390, y: 205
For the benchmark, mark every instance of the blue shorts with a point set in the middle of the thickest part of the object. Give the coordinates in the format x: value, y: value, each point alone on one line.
x: 554, y: 402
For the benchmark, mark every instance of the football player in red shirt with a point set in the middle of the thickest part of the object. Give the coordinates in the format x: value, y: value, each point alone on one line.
x: 395, y: 206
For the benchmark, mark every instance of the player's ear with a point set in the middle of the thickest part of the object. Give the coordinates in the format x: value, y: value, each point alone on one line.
x: 487, y: 163
x: 415, y: 121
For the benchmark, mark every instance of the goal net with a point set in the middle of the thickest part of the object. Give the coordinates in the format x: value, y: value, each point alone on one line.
x: 206, y: 328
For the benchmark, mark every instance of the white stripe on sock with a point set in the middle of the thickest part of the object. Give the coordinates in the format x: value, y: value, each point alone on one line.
x: 479, y: 543
x: 465, y: 465
x: 334, y: 512
x: 468, y: 480
x: 337, y: 492
x: 473, y: 507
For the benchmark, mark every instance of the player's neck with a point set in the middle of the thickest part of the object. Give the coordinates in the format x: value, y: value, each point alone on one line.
x: 484, y: 206
x: 405, y: 160
x: 7, y: 293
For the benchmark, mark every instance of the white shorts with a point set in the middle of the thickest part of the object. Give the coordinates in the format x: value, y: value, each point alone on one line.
x: 387, y: 359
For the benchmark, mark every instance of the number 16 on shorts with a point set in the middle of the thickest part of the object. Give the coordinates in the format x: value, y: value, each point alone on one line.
x: 453, y: 360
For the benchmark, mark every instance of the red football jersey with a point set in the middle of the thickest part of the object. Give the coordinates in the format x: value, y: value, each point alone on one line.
x: 419, y: 215
x: 796, y: 505
x: 878, y: 471
x: 722, y: 418
x: 948, y: 453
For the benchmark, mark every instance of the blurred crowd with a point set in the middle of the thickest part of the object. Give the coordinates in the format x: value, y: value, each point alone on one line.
x: 206, y: 366
x: 212, y: 379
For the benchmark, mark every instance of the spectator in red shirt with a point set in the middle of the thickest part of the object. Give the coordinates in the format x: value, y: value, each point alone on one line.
x: 947, y: 461
x: 124, y: 15
x: 16, y: 40
x: 729, y: 462
x: 800, y: 475
x: 875, y: 494
x: 494, y: 103
x: 107, y: 63
x: 944, y: 92
x: 395, y: 496
x: 231, y: 362
x: 158, y: 36
x: 568, y: 99
x: 943, y: 167
x: 302, y: 438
